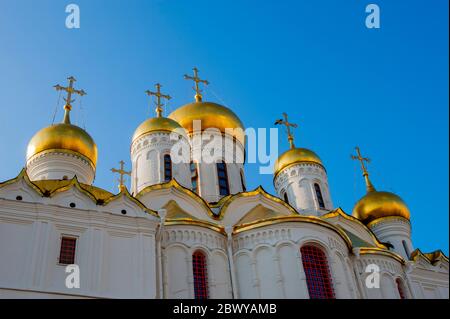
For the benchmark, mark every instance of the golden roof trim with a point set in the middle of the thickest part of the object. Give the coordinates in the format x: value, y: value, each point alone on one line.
x: 73, y: 183
x: 431, y: 257
x: 380, y: 251
x: 173, y: 183
x: 79, y: 186
x: 340, y: 212
x: 286, y: 219
x: 22, y: 175
x: 226, y: 201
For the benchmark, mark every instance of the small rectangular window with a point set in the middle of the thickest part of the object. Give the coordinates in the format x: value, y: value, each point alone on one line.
x: 67, y: 251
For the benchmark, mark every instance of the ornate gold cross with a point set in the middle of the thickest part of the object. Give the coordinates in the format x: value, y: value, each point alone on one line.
x: 159, y: 96
x: 288, y: 126
x: 197, y: 80
x: 362, y: 159
x: 70, y: 90
x: 121, y: 172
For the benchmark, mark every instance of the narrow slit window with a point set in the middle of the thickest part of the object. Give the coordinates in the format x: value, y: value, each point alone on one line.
x: 401, y: 292
x: 167, y: 168
x: 244, y: 188
x: 285, y: 197
x: 194, y: 177
x: 222, y: 174
x: 405, y: 247
x: 319, y: 196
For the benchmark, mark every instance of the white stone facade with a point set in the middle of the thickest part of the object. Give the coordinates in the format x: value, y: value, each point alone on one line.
x: 147, y: 158
x: 298, y: 183
x: 210, y: 148
x: 60, y: 165
x: 251, y: 241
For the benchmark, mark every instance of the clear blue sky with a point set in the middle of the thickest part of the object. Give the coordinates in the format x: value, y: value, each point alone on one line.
x: 385, y: 90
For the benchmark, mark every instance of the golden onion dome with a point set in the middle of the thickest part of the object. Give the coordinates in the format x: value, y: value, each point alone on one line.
x: 375, y: 205
x: 63, y: 137
x: 211, y: 115
x: 156, y: 124
x: 294, y: 156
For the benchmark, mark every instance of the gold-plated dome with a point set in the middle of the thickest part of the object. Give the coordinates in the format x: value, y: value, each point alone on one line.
x: 157, y: 124
x: 63, y: 137
x: 293, y: 156
x: 376, y: 205
x: 211, y: 115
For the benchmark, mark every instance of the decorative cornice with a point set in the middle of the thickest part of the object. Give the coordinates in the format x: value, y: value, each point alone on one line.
x: 380, y: 220
x: 299, y: 164
x: 196, y: 222
x: 61, y: 151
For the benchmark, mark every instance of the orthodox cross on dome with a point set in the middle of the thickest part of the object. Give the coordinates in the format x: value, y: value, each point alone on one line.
x: 288, y: 127
x: 362, y: 159
x: 159, y: 96
x: 197, y: 80
x: 121, y: 172
x: 70, y: 90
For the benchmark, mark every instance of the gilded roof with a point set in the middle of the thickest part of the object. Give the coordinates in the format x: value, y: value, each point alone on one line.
x: 210, y: 115
x: 295, y: 156
x: 63, y: 137
x: 158, y: 124
x: 50, y: 186
x: 375, y: 205
x: 431, y: 257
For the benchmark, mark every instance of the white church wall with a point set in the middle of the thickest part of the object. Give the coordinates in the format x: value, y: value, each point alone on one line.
x: 268, y: 263
x: 246, y: 277
x: 297, y: 181
x: 15, y: 250
x: 180, y: 242
x: 59, y: 165
x: 30, y: 252
x: 396, y: 231
x: 147, y: 157
x: 292, y: 277
x: 389, y: 270
x: 429, y: 281
x: 213, y: 150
